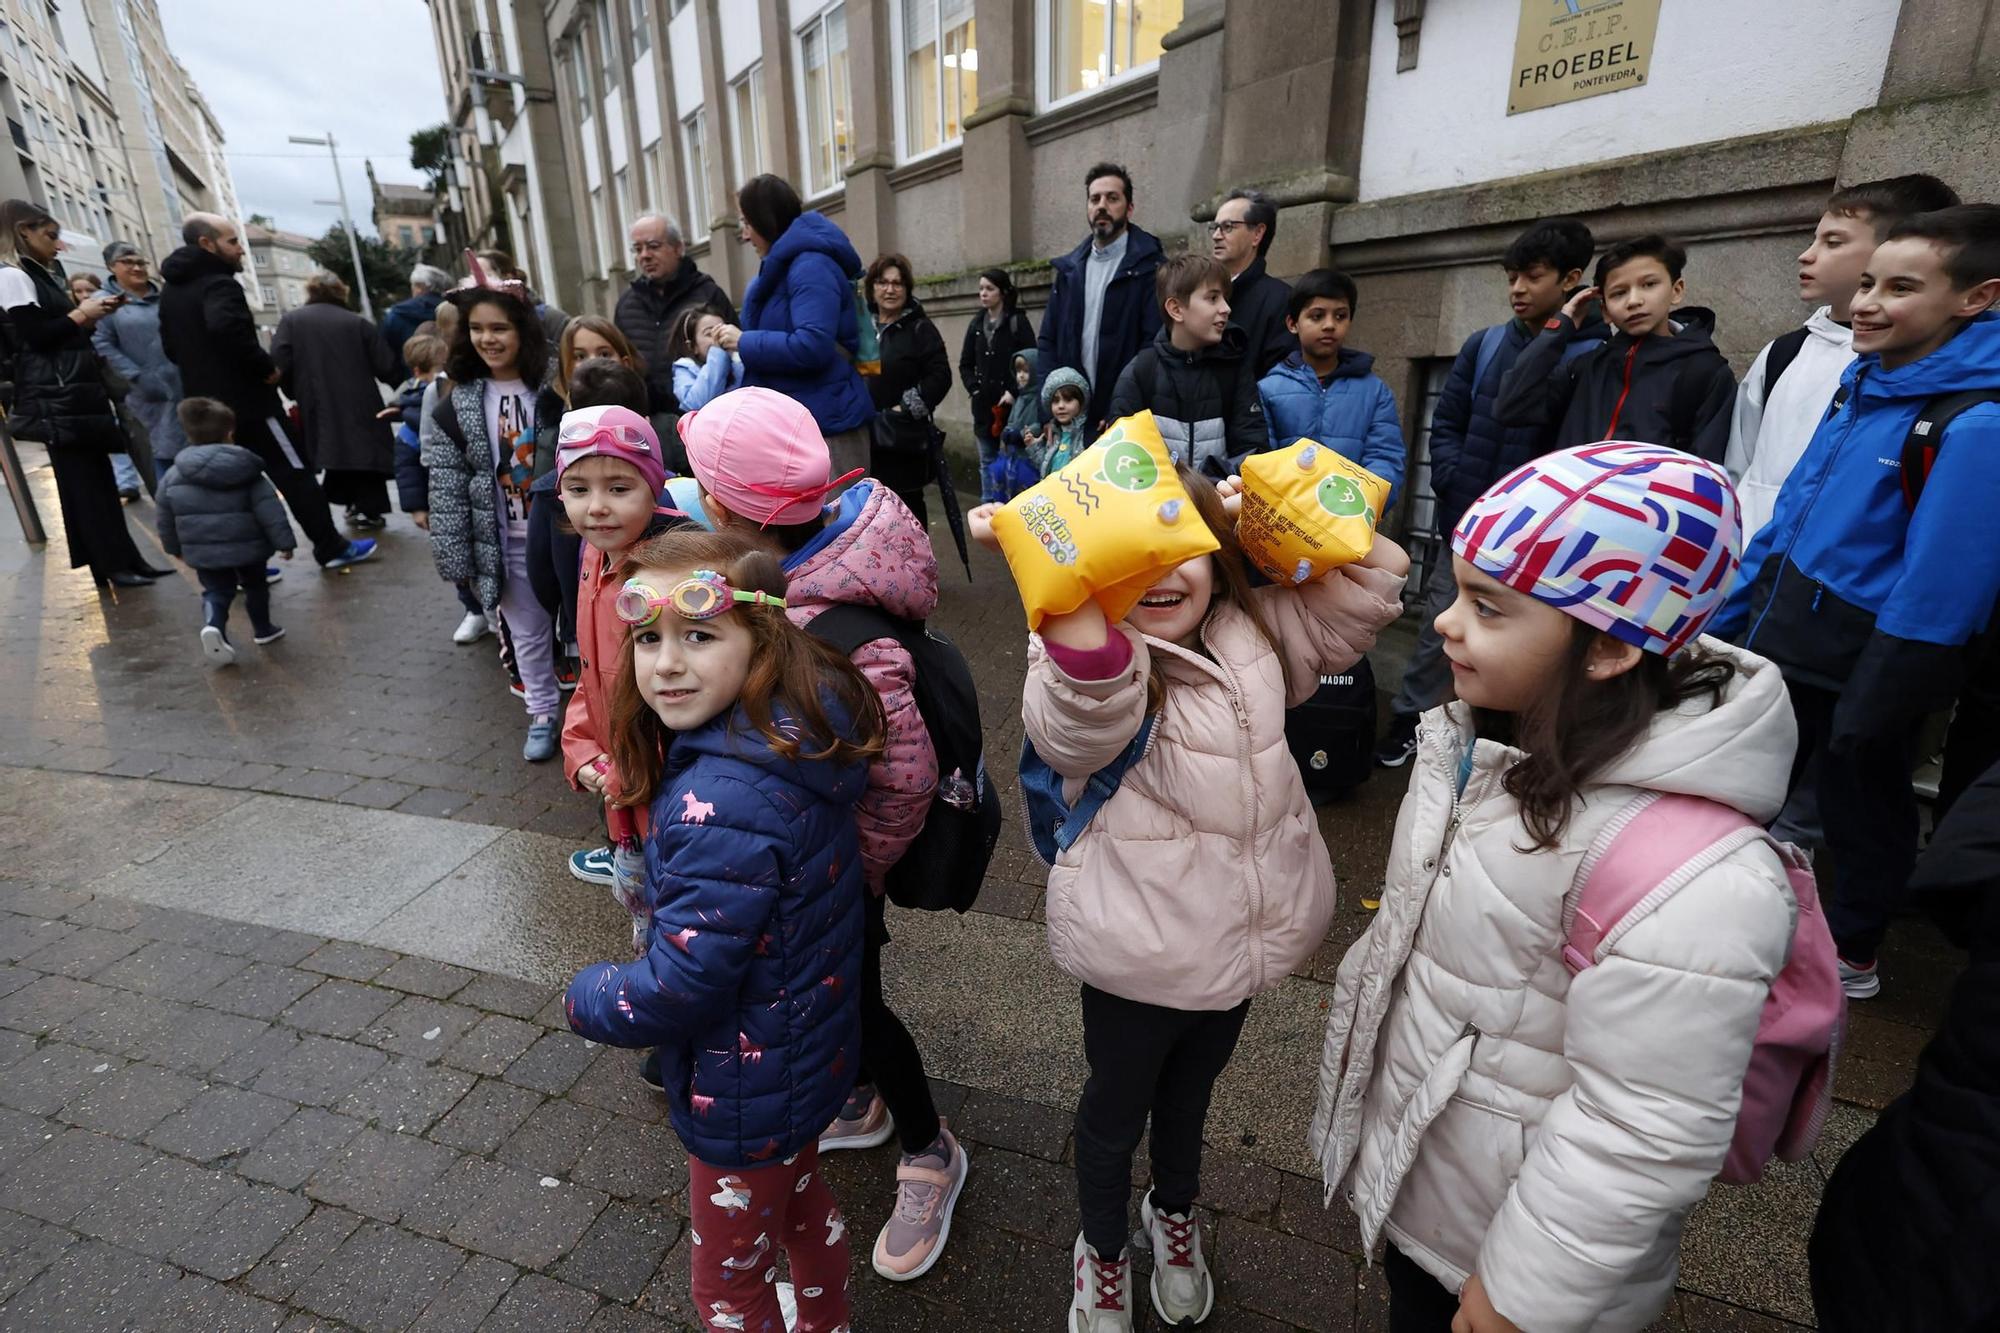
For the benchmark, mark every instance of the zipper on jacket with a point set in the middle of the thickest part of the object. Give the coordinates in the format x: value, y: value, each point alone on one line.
x: 1819, y: 489
x: 1236, y: 705
x: 1618, y: 408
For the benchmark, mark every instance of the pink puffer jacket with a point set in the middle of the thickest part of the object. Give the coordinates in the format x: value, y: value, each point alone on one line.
x: 875, y: 553
x: 1203, y: 880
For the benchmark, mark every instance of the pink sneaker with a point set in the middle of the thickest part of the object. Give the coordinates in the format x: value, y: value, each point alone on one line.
x: 863, y: 1123
x: 927, y: 1189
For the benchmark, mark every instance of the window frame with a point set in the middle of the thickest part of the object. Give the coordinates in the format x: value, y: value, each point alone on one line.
x: 1045, y: 96
x: 748, y: 86
x: 899, y: 81
x: 642, y: 37
x: 694, y: 137
x: 817, y: 190
x: 607, y: 45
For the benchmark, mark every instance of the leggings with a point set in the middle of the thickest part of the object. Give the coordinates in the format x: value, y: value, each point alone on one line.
x: 531, y: 632
x: 890, y: 1060
x: 740, y: 1218
x: 1418, y: 1302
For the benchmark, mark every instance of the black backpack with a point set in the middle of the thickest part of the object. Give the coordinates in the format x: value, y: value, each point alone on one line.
x: 1332, y: 734
x: 945, y: 865
x: 1926, y: 434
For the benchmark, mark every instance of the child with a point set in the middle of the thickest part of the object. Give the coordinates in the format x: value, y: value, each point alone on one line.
x: 1470, y: 449
x: 703, y: 368
x: 1025, y: 416
x: 1659, y: 378
x: 1013, y: 468
x: 1065, y: 395
x: 1783, y: 398
x: 609, y: 478
x: 1872, y: 577
x: 1530, y: 1171
x: 763, y: 465
x: 1176, y: 906
x: 1329, y: 392
x: 1195, y: 377
x: 749, y: 738
x: 590, y: 338
x: 220, y: 513
x: 424, y: 354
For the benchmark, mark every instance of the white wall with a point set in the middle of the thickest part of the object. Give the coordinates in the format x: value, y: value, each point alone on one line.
x: 742, y: 39
x: 1720, y: 68
x: 647, y: 105
x: 685, y: 63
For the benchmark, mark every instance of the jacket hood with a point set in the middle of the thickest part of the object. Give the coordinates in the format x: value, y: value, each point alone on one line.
x: 1966, y: 362
x: 191, y: 262
x: 1139, y: 244
x: 1820, y: 324
x: 1235, y: 342
x: 873, y: 553
x: 219, y: 467
x: 1061, y: 376
x: 1029, y: 354
x: 734, y: 736
x: 914, y: 310
x: 680, y: 282
x: 151, y: 294
x: 1694, y: 333
x: 811, y: 233
x: 1350, y: 365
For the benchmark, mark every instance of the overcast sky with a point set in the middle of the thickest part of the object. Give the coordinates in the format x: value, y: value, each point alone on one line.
x: 364, y: 69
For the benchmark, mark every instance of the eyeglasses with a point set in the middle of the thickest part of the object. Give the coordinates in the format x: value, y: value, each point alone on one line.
x: 890, y: 282
x: 1224, y: 228
x: 702, y: 595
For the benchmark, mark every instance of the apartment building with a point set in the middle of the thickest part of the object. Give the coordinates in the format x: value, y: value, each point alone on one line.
x: 282, y: 263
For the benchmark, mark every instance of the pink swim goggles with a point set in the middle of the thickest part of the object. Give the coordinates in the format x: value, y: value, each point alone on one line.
x: 702, y: 595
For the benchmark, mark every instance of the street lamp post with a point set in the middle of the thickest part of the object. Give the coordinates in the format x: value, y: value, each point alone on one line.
x: 346, y: 218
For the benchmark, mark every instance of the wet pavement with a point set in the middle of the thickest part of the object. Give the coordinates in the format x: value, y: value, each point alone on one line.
x: 278, y: 945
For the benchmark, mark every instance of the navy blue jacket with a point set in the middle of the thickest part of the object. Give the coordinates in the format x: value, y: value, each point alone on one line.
x: 1131, y: 318
x: 1354, y: 414
x: 750, y: 984
x: 413, y: 480
x: 1470, y: 449
x: 798, y: 315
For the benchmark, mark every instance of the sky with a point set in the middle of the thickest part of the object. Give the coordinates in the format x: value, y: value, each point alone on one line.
x: 364, y: 69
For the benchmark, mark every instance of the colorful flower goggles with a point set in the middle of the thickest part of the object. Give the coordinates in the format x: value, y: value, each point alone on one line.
x: 702, y: 595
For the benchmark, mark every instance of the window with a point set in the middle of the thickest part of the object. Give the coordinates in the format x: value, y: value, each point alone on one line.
x: 621, y: 182
x: 829, y: 120
x: 1091, y: 42
x: 940, y: 72
x: 746, y: 100
x: 642, y: 40
x: 597, y: 224
x: 579, y: 68
x: 607, y: 45
x: 694, y: 163
x: 406, y: 236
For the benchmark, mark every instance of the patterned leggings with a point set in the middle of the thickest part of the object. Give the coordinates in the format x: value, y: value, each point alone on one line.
x: 741, y: 1219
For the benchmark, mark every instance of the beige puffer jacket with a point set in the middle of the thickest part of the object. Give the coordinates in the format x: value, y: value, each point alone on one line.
x: 1494, y: 1116
x: 1203, y: 880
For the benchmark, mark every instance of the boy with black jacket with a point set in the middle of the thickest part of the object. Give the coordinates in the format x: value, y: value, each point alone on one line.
x: 1659, y: 379
x: 1196, y: 377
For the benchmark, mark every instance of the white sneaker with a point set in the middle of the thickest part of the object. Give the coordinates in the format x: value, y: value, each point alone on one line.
x: 215, y: 647
x: 471, y: 629
x: 1183, y: 1292
x: 1102, y: 1299
x: 1859, y: 983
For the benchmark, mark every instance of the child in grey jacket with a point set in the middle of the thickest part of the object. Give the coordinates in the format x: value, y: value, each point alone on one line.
x: 220, y: 513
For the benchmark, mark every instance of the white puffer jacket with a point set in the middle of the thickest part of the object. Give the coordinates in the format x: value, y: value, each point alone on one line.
x: 1494, y: 1116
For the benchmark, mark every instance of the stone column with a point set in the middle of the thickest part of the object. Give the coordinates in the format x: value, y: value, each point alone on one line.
x: 728, y: 263
x: 781, y: 108
x: 870, y: 215
x: 994, y: 161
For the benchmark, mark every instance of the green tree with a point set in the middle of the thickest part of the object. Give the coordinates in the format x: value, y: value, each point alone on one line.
x: 262, y: 220
x: 387, y: 266
x: 430, y: 152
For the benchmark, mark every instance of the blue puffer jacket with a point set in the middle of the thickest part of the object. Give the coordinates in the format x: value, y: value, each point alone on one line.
x: 749, y: 989
x: 1353, y: 413
x: 798, y: 315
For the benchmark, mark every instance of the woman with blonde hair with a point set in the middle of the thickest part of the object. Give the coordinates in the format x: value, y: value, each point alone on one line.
x: 334, y: 364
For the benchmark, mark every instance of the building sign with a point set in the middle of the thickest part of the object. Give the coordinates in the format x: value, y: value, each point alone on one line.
x: 1571, y: 49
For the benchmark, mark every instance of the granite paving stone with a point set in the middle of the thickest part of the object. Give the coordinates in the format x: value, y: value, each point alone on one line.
x: 155, y: 1209
x: 263, y: 990
x: 487, y: 1114
x: 122, y: 1023
x: 380, y: 1173
x: 337, y: 1008
x: 199, y: 1040
x: 538, y: 1304
x: 26, y: 937
x: 83, y: 952
x: 68, y: 1173
x: 319, y: 1071
x: 621, y: 1251
x: 493, y: 1043
x: 526, y: 1222
x: 406, y: 1095
x: 130, y: 1101
x: 176, y: 971
x: 380, y: 1279
x: 197, y: 1303
x: 552, y: 1063
x: 53, y: 1075
x: 468, y: 1298
x: 290, y: 1155
x: 301, y: 1254
x: 612, y: 1081
x: 244, y: 1230
x: 27, y: 1246
x: 14, y: 1047
x: 1285, y: 1277
x: 22, y: 1136
x: 451, y: 1196
x: 421, y: 976
x: 554, y: 1137
x: 634, y: 1161
x: 504, y: 995
x: 355, y: 962
x: 91, y: 1286
x: 53, y: 1000
x: 420, y: 1027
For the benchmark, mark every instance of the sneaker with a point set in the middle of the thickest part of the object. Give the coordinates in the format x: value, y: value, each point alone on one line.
x: 361, y: 548
x: 1183, y: 1292
x: 130, y: 495
x: 271, y: 635
x: 1102, y: 1299
x: 471, y: 629
x: 863, y: 1123
x: 367, y: 522
x: 215, y: 646
x: 272, y: 574
x: 594, y: 866
x: 927, y: 1189
x: 541, y: 742
x: 517, y: 689
x: 1860, y: 981
x: 566, y: 674
x: 1399, y: 744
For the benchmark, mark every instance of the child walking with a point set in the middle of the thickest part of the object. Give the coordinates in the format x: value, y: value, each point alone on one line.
x: 750, y: 740
x: 704, y: 369
x: 1531, y: 1144
x: 1174, y: 907
x: 220, y: 513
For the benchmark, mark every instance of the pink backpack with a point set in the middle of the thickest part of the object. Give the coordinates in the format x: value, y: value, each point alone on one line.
x: 1642, y: 857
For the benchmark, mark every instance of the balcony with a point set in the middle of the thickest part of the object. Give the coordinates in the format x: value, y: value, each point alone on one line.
x: 20, y: 135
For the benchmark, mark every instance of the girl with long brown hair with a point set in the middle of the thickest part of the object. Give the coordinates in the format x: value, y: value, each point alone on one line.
x: 750, y: 740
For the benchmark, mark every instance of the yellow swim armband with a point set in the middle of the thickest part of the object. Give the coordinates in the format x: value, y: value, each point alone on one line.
x: 1307, y: 510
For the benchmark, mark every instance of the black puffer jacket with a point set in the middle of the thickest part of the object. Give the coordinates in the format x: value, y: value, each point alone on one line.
x: 1205, y: 403
x: 207, y: 330
x: 646, y: 314
x: 59, y: 394
x: 219, y: 511
x: 986, y: 364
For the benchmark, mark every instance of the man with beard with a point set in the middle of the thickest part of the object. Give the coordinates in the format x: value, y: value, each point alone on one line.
x: 1102, y: 308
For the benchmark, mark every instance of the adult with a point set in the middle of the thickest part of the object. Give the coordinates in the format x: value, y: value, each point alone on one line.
x: 1103, y: 308
x: 83, y: 286
x: 59, y: 394
x: 329, y: 360
x: 500, y: 267
x: 666, y: 284
x: 128, y: 340
x: 1245, y: 224
x: 915, y: 377
x: 428, y: 284
x: 206, y: 329
x: 986, y: 364
x: 800, y: 321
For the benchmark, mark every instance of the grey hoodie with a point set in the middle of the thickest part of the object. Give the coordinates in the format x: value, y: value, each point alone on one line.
x: 219, y: 511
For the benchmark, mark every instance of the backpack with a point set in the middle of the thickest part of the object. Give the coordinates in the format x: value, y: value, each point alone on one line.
x: 866, y: 357
x: 1495, y: 334
x: 1332, y: 734
x: 1926, y: 434
x: 1053, y: 825
x: 946, y: 863
x: 1785, y: 349
x: 1788, y: 1087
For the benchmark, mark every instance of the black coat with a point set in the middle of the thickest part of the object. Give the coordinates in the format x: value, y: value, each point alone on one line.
x: 1908, y: 1232
x: 207, y: 330
x: 59, y: 394
x: 1257, y: 306
x: 986, y: 364
x: 913, y: 357
x: 334, y: 363
x: 646, y: 314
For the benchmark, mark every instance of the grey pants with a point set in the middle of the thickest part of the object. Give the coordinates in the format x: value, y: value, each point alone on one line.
x: 1428, y: 674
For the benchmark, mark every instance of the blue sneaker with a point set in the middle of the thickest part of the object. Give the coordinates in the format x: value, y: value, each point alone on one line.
x: 272, y: 574
x: 593, y: 866
x: 541, y: 743
x: 357, y: 550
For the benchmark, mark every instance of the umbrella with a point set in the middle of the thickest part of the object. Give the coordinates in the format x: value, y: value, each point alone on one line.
x: 948, y: 494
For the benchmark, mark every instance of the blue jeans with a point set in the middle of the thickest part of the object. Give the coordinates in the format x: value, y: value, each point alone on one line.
x: 989, y: 450
x: 126, y: 471
x: 218, y: 590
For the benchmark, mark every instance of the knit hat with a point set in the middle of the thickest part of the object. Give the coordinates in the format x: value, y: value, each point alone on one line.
x: 1064, y: 377
x: 761, y: 455
x: 610, y: 431
x: 1639, y: 540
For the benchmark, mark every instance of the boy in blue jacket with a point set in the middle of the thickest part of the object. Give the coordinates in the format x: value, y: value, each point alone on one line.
x: 1470, y: 449
x: 1878, y: 567
x: 1327, y: 391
